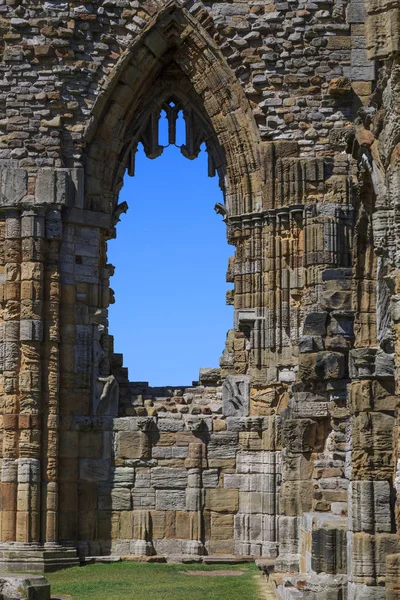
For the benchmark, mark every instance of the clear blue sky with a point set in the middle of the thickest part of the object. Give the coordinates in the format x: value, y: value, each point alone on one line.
x: 171, y: 257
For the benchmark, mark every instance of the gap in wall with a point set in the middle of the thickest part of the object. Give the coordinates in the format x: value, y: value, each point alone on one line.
x: 171, y: 256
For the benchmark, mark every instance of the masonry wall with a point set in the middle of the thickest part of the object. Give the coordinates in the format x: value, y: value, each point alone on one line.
x: 288, y: 450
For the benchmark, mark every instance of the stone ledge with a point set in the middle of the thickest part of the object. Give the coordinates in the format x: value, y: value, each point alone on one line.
x: 17, y: 558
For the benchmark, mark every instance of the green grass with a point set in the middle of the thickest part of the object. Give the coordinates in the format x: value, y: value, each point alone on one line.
x: 132, y: 581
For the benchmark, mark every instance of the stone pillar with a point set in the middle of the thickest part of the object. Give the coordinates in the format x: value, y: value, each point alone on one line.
x: 11, y: 259
x: 51, y: 367
x: 195, y: 499
x: 142, y: 545
x: 68, y: 441
x: 30, y: 376
x: 31, y: 372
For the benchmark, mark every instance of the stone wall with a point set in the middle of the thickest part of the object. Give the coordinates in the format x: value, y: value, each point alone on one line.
x: 188, y: 481
x: 288, y: 451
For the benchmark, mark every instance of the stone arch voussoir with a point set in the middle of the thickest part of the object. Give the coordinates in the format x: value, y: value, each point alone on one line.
x: 173, y: 36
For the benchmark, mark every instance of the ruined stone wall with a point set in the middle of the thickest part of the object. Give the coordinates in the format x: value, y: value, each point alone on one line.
x: 289, y: 450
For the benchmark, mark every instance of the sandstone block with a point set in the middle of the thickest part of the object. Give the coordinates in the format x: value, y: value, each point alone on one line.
x: 129, y: 445
x: 222, y: 500
x: 223, y: 445
x: 329, y: 550
x: 221, y: 526
x: 144, y: 497
x: 300, y: 435
x: 289, y: 534
x: 393, y: 576
x: 170, y: 500
x: 373, y: 431
x: 19, y: 587
x: 297, y: 467
x: 94, y: 469
x: 315, y: 324
x: 322, y: 365
x: 258, y: 502
x: 126, y: 518
x: 194, y: 499
x: 182, y: 525
x: 123, y: 476
x: 210, y: 478
x: 121, y: 499
x: 163, y: 478
x: 158, y: 523
x: 371, y: 550
x: 236, y: 396
x: 370, y: 506
x: 296, y: 497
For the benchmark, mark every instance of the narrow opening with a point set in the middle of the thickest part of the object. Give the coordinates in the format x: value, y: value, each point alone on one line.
x: 171, y: 257
x: 181, y: 139
x: 163, y: 129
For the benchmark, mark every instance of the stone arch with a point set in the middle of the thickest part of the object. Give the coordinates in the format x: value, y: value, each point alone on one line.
x: 173, y: 46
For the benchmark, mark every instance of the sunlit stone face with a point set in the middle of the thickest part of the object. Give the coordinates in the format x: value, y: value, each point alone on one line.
x: 286, y: 450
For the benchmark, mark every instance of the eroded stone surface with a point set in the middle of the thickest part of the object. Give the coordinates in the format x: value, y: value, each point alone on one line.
x: 289, y: 449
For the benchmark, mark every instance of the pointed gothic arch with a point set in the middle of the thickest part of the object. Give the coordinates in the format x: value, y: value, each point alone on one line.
x: 174, y: 58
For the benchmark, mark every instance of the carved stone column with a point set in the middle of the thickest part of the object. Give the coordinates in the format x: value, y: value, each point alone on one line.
x: 29, y: 529
x: 11, y: 274
x: 30, y: 376
x: 194, y: 494
x: 51, y: 379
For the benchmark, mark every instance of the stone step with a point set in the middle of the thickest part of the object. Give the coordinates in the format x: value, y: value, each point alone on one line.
x: 225, y: 560
x: 96, y: 560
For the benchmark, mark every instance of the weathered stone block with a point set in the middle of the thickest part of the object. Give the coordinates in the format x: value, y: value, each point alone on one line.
x: 223, y: 445
x: 323, y: 365
x: 129, y: 445
x: 370, y: 506
x: 211, y: 377
x: 300, y: 435
x: 369, y: 556
x: 315, y: 324
x: 221, y: 526
x: 13, y: 186
x: 384, y: 364
x: 373, y: 430
x: 170, y: 500
x: 123, y: 476
x: 94, y: 469
x: 393, y: 576
x: 20, y: 587
x: 311, y: 343
x: 222, y: 500
x: 194, y: 499
x: 258, y: 502
x: 236, y: 396
x: 329, y: 550
x: 52, y: 187
x: 296, y: 497
x: 297, y: 467
x: 210, y: 478
x: 167, y: 477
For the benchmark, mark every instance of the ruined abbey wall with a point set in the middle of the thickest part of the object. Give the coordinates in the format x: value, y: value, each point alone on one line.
x: 288, y: 451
